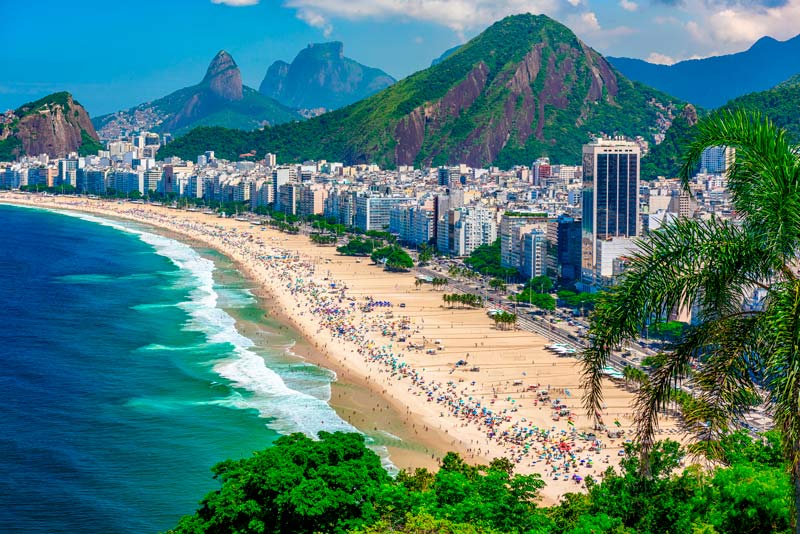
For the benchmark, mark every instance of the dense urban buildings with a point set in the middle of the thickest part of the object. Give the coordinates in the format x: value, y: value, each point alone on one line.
x: 575, y: 223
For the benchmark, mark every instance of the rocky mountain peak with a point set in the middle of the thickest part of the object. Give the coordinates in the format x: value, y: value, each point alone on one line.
x: 690, y: 112
x: 332, y: 50
x: 55, y: 125
x: 320, y: 76
x: 223, y: 77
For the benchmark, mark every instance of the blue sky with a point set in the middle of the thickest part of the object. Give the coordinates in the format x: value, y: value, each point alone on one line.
x: 113, y: 55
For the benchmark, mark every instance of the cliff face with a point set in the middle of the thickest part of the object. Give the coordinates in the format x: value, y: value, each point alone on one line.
x: 526, y: 87
x: 566, y: 73
x: 55, y: 125
x: 322, y: 77
x: 223, y: 77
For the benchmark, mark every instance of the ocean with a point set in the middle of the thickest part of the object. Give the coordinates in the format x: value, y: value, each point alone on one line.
x: 125, y: 375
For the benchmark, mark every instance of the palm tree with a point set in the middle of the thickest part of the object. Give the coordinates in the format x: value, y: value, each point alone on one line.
x: 743, y: 356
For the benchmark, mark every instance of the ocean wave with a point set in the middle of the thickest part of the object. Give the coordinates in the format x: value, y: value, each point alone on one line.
x: 285, y: 409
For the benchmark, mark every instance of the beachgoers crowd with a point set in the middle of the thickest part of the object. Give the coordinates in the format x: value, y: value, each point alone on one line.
x: 558, y: 451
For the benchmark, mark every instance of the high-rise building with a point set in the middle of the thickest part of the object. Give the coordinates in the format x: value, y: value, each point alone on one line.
x: 271, y: 159
x: 449, y: 176
x: 475, y: 226
x: 312, y: 200
x: 281, y: 176
x: 564, y: 249
x: 610, y: 198
x: 372, y: 212
x: 541, y: 171
x: 152, y: 180
x: 68, y: 172
x: 513, y: 226
x: 717, y: 159
x: 533, y: 254
x: 288, y: 198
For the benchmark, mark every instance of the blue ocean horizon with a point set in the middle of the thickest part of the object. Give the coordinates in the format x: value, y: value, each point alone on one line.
x: 125, y: 377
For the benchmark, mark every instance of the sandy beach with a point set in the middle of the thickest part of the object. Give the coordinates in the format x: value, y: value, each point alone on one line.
x: 395, y: 349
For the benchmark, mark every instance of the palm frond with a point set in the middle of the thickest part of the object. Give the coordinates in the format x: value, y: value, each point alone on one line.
x: 781, y: 336
x: 764, y: 180
x: 711, y: 262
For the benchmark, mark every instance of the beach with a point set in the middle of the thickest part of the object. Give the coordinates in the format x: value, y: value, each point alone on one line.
x: 438, y: 378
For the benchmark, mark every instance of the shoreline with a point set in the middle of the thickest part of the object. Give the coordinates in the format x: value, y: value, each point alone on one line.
x: 351, y: 398
x: 491, y: 413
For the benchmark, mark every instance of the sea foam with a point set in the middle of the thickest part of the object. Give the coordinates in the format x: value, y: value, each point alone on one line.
x: 285, y: 409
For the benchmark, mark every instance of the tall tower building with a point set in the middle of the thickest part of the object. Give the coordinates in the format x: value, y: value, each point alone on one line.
x: 717, y: 159
x: 610, y: 198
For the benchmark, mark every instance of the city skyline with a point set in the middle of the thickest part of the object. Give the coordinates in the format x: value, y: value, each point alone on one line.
x: 123, y: 54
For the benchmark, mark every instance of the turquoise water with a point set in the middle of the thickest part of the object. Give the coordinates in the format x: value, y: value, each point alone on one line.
x: 124, y: 376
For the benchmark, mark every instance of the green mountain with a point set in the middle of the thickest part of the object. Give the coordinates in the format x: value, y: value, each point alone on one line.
x: 220, y: 99
x: 781, y: 104
x: 54, y: 125
x: 708, y: 82
x: 322, y: 77
x: 524, y: 88
x: 446, y: 54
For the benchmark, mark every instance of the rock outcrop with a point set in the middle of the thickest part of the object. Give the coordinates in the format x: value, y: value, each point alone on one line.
x: 526, y: 87
x: 54, y: 125
x: 220, y: 99
x: 322, y: 77
x: 223, y: 77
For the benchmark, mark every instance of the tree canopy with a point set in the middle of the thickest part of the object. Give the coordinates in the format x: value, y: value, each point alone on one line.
x: 336, y: 484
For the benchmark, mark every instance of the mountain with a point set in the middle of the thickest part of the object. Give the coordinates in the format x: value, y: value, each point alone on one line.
x: 780, y: 104
x: 321, y: 77
x: 446, y: 54
x: 54, y: 125
x: 220, y: 99
x: 713, y: 81
x: 524, y: 88
x: 665, y: 158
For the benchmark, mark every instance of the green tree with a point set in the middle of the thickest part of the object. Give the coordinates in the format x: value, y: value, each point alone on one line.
x: 540, y: 284
x: 711, y: 264
x: 497, y: 284
x: 393, y: 257
x: 486, y: 260
x: 297, y: 485
x: 543, y: 301
x: 425, y: 254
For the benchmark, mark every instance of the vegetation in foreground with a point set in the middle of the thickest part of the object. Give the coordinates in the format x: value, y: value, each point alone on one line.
x: 337, y: 485
x: 735, y: 357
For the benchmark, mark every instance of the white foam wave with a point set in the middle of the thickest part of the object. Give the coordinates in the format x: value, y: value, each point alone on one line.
x: 286, y: 409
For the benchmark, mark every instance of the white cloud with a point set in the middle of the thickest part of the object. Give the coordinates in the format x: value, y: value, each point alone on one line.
x: 587, y: 26
x: 316, y: 20
x: 235, y: 3
x: 575, y: 3
x: 661, y: 21
x: 585, y: 23
x: 458, y: 15
x: 628, y: 5
x: 726, y: 26
x: 660, y: 59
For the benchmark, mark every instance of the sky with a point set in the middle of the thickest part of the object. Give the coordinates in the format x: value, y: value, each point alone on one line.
x: 114, y: 55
